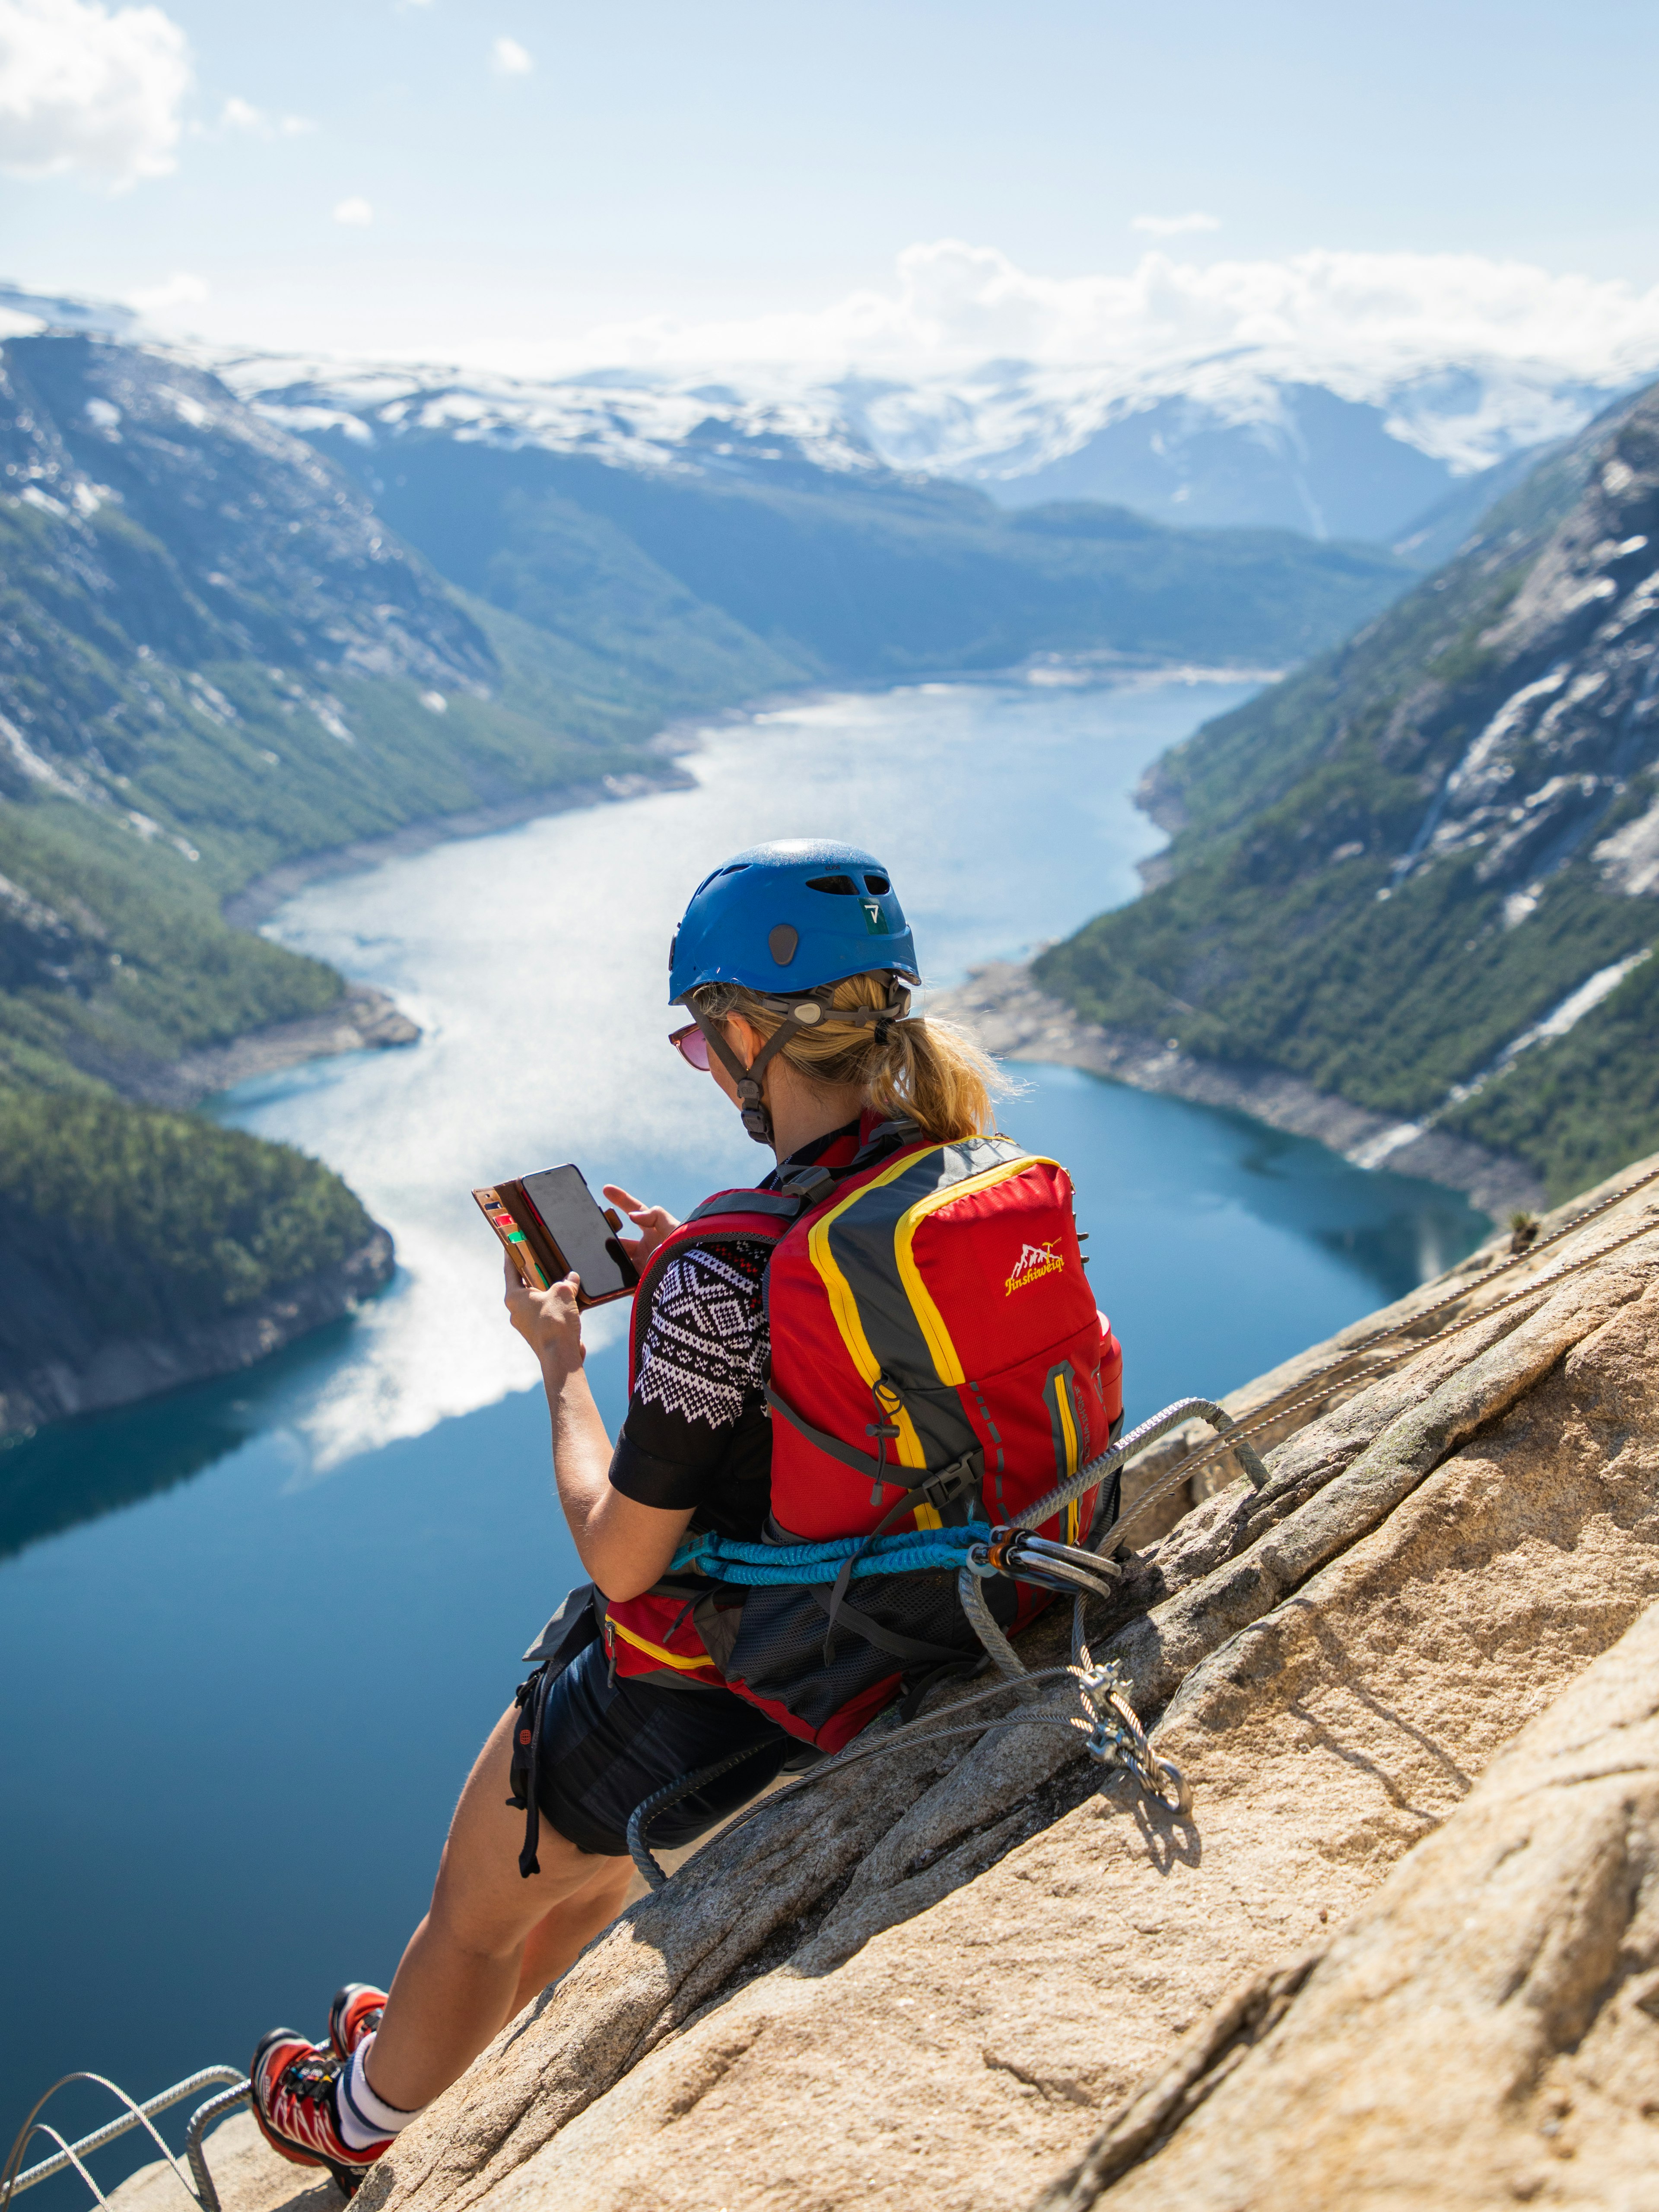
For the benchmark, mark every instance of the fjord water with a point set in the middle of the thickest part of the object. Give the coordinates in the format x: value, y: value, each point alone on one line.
x: 250, y: 1634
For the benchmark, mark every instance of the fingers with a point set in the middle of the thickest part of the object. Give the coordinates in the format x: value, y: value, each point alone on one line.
x: 625, y: 1199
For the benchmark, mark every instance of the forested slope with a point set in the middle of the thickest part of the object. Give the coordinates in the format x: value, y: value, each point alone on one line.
x: 1391, y: 870
x: 863, y: 576
x: 213, y: 657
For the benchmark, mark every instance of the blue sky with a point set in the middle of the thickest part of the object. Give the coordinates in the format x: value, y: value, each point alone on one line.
x: 734, y: 161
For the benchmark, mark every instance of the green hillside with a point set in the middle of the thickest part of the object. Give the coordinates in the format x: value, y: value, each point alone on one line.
x: 847, y: 575
x: 214, y: 657
x: 1387, y: 868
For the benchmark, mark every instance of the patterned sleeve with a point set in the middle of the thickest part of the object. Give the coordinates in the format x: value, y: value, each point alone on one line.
x: 702, y: 1372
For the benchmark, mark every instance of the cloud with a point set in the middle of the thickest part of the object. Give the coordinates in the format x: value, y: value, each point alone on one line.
x: 90, y: 91
x: 181, y: 290
x: 1353, y: 320
x: 509, y: 58
x: 1172, y: 226
x: 356, y: 212
x: 242, y: 115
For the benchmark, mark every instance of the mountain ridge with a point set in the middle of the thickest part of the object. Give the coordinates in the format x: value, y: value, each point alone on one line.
x: 1418, y: 872
x: 213, y: 657
x: 1356, y: 427
x: 1226, y: 442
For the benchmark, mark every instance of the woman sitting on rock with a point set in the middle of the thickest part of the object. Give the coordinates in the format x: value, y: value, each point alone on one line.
x: 892, y: 1330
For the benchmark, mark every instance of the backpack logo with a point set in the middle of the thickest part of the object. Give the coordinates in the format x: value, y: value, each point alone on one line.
x: 1034, y: 1260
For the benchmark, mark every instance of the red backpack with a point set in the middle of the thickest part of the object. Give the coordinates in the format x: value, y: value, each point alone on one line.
x: 936, y: 1357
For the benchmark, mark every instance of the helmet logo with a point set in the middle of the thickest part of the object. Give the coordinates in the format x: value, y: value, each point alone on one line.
x: 875, y: 922
x: 780, y: 943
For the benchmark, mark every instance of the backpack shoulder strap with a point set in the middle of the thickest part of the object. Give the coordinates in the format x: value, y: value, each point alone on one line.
x: 731, y: 1216
x: 785, y: 1205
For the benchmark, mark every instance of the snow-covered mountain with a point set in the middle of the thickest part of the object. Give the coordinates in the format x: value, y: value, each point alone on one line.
x: 1210, y: 444
x: 1228, y: 439
x: 1361, y: 440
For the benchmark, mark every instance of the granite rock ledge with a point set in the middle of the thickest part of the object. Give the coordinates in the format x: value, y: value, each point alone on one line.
x: 1402, y: 1952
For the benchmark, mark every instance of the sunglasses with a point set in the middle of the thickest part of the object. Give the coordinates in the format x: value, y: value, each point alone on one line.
x: 692, y: 1046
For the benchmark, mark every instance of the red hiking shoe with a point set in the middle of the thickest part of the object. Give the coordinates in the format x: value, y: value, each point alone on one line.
x: 295, y: 2084
x: 355, y: 2013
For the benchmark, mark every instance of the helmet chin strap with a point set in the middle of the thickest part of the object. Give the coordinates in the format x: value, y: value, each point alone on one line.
x: 795, y: 1014
x: 752, y: 1098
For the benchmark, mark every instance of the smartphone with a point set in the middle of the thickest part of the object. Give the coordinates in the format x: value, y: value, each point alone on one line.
x: 552, y: 1221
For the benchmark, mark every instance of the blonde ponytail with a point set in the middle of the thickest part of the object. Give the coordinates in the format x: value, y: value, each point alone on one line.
x: 926, y: 1072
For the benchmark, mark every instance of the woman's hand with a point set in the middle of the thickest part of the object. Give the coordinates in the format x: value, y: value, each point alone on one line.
x: 652, y: 1222
x: 549, y: 1321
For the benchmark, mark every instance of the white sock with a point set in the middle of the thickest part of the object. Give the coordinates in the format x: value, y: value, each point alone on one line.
x: 365, y: 2119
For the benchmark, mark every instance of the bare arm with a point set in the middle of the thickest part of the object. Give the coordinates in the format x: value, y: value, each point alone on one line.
x: 624, y: 1545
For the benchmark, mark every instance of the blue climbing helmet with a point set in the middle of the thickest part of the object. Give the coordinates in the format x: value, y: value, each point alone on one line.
x: 789, y: 917
x: 789, y: 921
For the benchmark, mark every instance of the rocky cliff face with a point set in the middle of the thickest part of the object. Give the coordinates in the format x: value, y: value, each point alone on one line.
x: 222, y: 536
x: 1421, y: 873
x: 54, y: 1364
x: 1574, y: 656
x: 1402, y: 1951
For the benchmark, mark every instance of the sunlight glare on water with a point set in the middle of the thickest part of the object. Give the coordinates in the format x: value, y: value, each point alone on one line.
x: 534, y: 961
x: 187, y: 1611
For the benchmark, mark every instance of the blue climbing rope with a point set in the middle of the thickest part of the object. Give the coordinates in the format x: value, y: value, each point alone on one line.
x: 913, y: 1551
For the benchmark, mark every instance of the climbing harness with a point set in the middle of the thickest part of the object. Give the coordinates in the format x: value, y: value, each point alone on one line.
x: 15, y: 2177
x: 1113, y: 1736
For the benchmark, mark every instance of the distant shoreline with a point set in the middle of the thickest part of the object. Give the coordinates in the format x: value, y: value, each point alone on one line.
x: 258, y: 901
x: 125, y: 1370
x: 367, y: 1018
x: 364, y: 1019
x: 1017, y: 1021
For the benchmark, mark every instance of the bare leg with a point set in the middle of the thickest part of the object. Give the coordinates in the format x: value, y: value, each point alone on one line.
x: 555, y: 1942
x: 458, y: 1984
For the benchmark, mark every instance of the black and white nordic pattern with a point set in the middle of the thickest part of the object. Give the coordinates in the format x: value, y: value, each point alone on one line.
x: 706, y: 1346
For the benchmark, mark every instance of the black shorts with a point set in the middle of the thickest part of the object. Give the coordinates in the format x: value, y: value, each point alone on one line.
x: 607, y: 1745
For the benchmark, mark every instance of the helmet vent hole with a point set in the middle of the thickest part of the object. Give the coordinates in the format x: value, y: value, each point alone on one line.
x: 780, y: 943
x: 878, y: 884
x: 843, y: 885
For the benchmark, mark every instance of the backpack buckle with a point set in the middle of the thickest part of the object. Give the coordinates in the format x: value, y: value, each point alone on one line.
x: 950, y: 1482
x: 809, y: 1184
